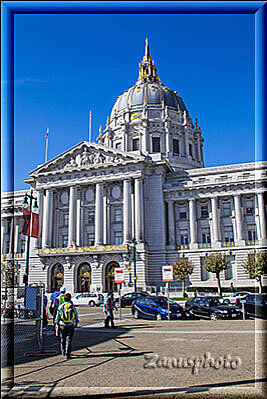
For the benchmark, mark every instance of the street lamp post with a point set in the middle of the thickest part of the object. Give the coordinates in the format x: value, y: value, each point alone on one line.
x: 134, y: 260
x: 25, y: 203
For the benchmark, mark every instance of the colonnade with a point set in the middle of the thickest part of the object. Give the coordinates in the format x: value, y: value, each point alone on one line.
x: 133, y: 214
x: 215, y: 220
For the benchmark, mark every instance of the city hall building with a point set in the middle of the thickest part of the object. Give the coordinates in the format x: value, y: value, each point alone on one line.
x: 144, y: 181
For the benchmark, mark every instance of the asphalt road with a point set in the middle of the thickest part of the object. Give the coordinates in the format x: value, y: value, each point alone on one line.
x: 147, y: 357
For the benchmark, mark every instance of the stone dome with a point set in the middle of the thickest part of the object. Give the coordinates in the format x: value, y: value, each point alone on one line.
x: 150, y: 119
x: 148, y: 90
x: 145, y: 93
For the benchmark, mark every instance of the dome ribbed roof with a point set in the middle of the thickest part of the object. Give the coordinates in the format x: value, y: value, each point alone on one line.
x: 148, y: 94
x: 148, y: 90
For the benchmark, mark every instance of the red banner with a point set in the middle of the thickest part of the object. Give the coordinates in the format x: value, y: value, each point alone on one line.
x: 35, y: 225
x: 26, y: 222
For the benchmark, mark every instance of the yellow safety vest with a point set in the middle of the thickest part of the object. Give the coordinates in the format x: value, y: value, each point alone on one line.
x: 61, y: 299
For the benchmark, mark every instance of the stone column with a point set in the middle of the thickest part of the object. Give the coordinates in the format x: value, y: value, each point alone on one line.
x: 72, y: 215
x: 99, y: 214
x: 3, y: 232
x: 238, y: 218
x: 11, y: 236
x: 171, y: 224
x: 199, y: 148
x: 16, y: 238
x: 78, y: 222
x: 47, y: 219
x: 127, y: 221
x: 139, y: 210
x: 186, y: 148
x: 215, y: 222
x: 193, y: 223
x: 262, y: 216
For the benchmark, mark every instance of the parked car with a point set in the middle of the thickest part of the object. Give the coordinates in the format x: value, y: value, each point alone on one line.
x: 211, y: 308
x: 256, y: 305
x: 156, y: 308
x: 88, y: 298
x: 127, y: 299
x: 236, y: 297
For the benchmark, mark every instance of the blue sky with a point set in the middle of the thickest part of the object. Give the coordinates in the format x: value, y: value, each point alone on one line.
x: 66, y: 65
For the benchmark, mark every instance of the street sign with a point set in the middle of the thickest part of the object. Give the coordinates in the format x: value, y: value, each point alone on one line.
x: 167, y: 274
x: 119, y: 275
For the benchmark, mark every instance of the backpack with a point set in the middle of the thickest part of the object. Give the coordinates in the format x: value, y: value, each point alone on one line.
x: 68, y: 314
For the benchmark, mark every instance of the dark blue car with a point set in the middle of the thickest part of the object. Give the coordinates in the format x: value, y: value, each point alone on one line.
x: 156, y: 308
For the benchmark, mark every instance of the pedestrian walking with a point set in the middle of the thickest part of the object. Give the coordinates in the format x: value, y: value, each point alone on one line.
x: 59, y: 300
x: 53, y: 298
x: 45, y: 321
x: 108, y: 310
x: 66, y: 321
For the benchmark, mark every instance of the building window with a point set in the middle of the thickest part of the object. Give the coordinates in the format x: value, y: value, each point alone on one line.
x: 205, y: 236
x: 22, y: 247
x: 226, y: 211
x: 64, y: 241
x: 184, y: 237
x: 228, y: 234
x: 191, y: 150
x: 229, y: 272
x: 66, y: 219
x: 175, y: 144
x: 155, y: 144
x: 117, y: 214
x: 204, y: 211
x: 182, y: 213
x: 91, y: 239
x: 7, y: 245
x: 252, y: 234
x: 249, y: 208
x: 118, y: 146
x: 91, y: 216
x: 118, y: 237
x: 135, y: 144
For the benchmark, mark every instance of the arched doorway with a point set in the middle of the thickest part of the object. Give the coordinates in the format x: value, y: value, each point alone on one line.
x: 109, y: 277
x: 84, y: 278
x: 57, y: 277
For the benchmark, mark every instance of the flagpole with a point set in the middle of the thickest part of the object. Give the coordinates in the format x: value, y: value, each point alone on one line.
x: 46, y: 144
x: 90, y: 126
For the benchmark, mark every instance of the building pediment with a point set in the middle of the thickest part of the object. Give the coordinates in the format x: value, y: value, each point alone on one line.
x: 86, y: 156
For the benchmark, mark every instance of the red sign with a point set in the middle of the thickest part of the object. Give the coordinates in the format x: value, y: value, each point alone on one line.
x: 167, y: 274
x: 26, y: 222
x: 119, y: 275
x: 35, y: 225
x: 30, y: 223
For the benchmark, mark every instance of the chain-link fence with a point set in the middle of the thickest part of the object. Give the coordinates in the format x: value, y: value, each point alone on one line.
x: 21, y: 321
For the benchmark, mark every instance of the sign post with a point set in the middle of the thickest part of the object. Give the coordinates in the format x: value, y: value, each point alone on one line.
x: 167, y: 277
x: 119, y: 279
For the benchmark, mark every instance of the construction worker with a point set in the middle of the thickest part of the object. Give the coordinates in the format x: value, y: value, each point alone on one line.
x: 66, y: 321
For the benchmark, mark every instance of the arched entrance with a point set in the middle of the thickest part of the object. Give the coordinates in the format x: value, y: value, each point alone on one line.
x: 57, y: 277
x: 84, y: 278
x: 109, y: 277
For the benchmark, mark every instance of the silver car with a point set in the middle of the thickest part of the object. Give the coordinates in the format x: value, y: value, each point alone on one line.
x: 88, y: 298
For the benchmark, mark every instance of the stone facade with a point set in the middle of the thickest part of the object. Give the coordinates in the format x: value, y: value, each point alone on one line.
x: 144, y: 180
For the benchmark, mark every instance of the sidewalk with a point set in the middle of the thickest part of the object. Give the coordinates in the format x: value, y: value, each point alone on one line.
x: 110, y: 363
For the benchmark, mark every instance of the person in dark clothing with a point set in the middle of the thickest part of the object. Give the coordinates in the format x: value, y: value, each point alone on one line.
x: 108, y: 310
x: 45, y: 321
x: 66, y: 321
